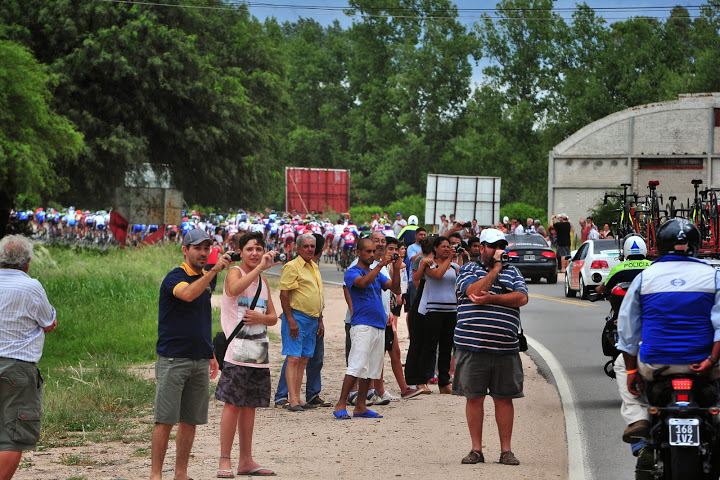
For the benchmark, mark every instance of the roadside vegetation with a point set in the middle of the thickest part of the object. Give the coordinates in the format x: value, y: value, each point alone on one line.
x: 106, y: 303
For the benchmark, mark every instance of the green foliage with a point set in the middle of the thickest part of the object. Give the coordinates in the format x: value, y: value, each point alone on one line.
x: 34, y: 139
x: 603, y: 214
x: 523, y: 211
x: 91, y: 398
x: 364, y: 213
x: 106, y: 300
x: 410, y: 205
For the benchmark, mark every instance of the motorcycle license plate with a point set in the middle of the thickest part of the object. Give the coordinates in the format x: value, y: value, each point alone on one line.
x: 529, y: 257
x: 684, y: 432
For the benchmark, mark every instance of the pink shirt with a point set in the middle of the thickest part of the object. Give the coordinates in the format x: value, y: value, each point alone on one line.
x: 250, y: 347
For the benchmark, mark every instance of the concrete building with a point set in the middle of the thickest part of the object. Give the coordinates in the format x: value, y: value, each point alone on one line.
x: 672, y: 142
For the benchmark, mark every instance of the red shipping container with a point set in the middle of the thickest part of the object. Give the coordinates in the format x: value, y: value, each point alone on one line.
x: 318, y: 189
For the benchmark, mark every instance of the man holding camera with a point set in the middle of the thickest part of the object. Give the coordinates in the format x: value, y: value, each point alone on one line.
x: 487, y: 359
x: 185, y: 353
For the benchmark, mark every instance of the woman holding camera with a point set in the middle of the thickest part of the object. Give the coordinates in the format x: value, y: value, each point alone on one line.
x: 439, y: 307
x: 245, y: 381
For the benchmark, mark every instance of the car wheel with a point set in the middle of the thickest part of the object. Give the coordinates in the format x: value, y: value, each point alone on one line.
x: 584, y: 291
x: 552, y: 278
x: 569, y: 292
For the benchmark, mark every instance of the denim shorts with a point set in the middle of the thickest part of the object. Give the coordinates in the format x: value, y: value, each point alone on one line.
x: 21, y: 393
x: 183, y: 390
x: 304, y: 344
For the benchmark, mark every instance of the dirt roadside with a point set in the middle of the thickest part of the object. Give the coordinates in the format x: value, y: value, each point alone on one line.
x: 424, y: 437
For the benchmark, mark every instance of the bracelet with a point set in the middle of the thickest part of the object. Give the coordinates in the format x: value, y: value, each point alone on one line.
x: 712, y: 360
x: 630, y: 372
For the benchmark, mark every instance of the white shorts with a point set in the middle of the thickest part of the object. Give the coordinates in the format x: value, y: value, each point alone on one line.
x: 367, y: 352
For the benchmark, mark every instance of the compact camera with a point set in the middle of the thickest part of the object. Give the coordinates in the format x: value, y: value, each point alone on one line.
x: 280, y: 257
x: 235, y: 256
x: 467, y: 224
x: 458, y: 248
x: 395, y: 257
x: 504, y: 257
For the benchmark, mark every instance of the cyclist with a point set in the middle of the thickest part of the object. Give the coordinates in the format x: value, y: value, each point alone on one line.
x: 348, y: 243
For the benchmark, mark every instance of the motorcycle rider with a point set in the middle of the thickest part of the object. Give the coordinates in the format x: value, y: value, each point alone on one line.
x: 673, y: 306
x: 634, y: 252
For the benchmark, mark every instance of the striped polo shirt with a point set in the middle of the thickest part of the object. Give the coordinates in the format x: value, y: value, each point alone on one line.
x: 488, y: 328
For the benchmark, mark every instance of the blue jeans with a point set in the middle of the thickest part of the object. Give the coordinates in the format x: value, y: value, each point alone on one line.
x: 313, y: 383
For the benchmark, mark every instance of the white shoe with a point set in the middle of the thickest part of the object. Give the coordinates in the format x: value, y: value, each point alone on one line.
x: 390, y: 397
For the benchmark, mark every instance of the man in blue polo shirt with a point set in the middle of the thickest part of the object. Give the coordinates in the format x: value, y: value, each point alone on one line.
x: 185, y: 354
x: 367, y: 330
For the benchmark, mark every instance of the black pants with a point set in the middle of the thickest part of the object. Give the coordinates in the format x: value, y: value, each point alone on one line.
x: 438, y: 331
x: 415, y: 369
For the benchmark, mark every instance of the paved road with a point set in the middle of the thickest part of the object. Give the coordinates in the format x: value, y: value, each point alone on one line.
x: 570, y: 329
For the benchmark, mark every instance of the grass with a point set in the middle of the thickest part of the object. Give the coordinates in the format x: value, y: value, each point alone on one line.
x: 107, y: 307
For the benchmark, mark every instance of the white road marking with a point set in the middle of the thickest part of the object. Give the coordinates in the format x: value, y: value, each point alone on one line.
x: 575, y: 444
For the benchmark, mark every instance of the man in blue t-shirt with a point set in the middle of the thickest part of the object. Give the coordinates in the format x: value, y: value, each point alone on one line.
x: 367, y: 330
x: 185, y: 352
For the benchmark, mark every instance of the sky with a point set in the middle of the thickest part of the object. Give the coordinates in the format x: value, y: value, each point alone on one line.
x: 469, y: 12
x: 325, y: 11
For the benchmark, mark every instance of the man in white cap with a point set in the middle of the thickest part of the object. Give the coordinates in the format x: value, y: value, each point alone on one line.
x: 487, y: 358
x: 399, y: 224
x: 185, y: 361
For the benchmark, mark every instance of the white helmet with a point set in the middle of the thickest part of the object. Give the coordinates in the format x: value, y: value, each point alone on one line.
x: 634, y: 245
x: 412, y: 220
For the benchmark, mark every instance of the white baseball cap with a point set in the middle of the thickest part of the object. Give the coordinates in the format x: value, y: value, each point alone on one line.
x: 492, y: 236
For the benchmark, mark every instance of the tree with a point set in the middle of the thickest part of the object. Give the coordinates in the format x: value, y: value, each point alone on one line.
x: 189, y: 91
x: 34, y: 139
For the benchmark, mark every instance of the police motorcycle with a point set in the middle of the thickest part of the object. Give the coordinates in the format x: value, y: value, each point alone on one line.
x: 609, y: 335
x: 634, y: 248
x: 684, y: 427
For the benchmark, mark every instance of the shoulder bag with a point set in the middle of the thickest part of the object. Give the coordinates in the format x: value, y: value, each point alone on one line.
x: 220, y: 343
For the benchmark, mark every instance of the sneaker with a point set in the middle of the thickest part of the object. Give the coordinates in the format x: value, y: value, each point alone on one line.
x: 636, y: 431
x: 372, y: 399
x: 381, y: 400
x: 352, y: 396
x: 389, y: 397
x: 282, y: 404
x: 319, y: 402
x: 645, y: 465
x: 411, y: 392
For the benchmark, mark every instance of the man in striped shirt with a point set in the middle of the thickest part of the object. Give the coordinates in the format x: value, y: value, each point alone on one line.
x: 490, y: 295
x: 25, y: 317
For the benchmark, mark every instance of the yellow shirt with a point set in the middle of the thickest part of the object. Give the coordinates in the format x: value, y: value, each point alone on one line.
x: 304, y: 280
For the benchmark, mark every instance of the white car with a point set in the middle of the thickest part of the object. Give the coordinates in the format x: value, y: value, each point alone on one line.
x: 589, y: 266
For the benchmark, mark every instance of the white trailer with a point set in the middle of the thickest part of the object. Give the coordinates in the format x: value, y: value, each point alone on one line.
x: 467, y: 197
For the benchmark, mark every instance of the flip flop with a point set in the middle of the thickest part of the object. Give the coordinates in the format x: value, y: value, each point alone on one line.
x: 222, y: 473
x: 368, y: 414
x: 254, y: 472
x: 341, y: 415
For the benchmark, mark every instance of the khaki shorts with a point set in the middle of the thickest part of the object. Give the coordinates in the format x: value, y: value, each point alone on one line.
x: 476, y: 373
x: 21, y: 393
x: 183, y: 390
x: 367, y: 351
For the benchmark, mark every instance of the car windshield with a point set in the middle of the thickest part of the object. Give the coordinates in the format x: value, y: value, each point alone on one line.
x: 525, y: 240
x: 603, y: 245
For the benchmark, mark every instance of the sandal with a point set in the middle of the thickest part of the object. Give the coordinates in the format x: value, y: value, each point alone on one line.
x: 223, y: 472
x: 475, y: 456
x: 508, y: 458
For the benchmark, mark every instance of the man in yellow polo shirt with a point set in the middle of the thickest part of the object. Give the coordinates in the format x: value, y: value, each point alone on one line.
x: 301, y: 300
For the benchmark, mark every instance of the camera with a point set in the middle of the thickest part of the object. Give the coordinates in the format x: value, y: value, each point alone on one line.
x: 395, y: 257
x: 504, y: 257
x: 280, y: 257
x: 235, y: 256
x: 467, y: 224
x: 458, y: 248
